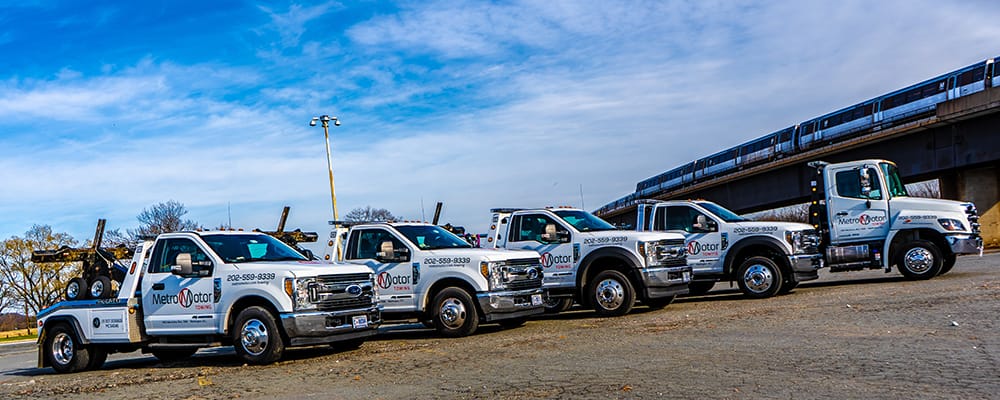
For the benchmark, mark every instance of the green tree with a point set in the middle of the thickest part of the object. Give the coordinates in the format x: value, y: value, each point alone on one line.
x: 35, y: 286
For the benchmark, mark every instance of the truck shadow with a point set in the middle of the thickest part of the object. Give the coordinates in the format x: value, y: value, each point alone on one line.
x: 734, y: 294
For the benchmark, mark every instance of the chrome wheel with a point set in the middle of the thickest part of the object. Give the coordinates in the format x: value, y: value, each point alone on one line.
x: 758, y: 278
x: 254, y: 337
x: 610, y: 294
x: 918, y: 260
x: 73, y: 289
x: 452, y: 313
x: 62, y: 348
x: 97, y: 288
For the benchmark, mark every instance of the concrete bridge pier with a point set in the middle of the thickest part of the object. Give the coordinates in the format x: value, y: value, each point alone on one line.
x: 982, y: 187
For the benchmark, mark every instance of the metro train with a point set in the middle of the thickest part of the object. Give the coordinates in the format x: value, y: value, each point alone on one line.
x: 895, y: 108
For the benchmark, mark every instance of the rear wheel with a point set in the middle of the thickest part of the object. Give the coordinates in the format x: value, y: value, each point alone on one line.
x: 454, y: 313
x: 555, y: 305
x: 256, y: 337
x: 698, y: 288
x: 64, y: 351
x: 949, y: 262
x: 788, y: 286
x: 919, y: 260
x: 611, y: 294
x: 76, y: 289
x: 100, y: 288
x: 173, y: 354
x: 759, y: 277
x: 97, y: 358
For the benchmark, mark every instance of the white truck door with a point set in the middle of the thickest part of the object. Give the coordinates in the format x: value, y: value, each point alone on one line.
x: 395, y: 280
x: 558, y: 258
x: 174, y: 304
x: 701, y: 235
x: 856, y: 204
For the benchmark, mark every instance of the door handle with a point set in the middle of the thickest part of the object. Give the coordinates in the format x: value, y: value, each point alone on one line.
x: 157, y: 286
x: 842, y: 213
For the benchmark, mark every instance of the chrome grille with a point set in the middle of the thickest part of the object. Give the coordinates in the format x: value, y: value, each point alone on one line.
x: 520, y: 272
x: 331, y: 292
x: 973, y: 217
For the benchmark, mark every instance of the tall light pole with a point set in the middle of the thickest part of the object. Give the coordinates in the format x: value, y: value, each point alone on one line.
x: 325, y: 119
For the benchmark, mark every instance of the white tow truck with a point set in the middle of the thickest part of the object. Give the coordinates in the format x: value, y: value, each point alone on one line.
x: 425, y: 272
x: 764, y: 258
x: 188, y: 290
x: 867, y: 220
x: 589, y: 261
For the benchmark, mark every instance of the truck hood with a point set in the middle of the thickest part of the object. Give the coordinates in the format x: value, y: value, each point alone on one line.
x: 484, y: 254
x: 782, y: 226
x: 919, y: 203
x: 304, y: 268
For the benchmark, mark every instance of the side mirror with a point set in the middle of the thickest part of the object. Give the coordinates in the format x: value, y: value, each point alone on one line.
x: 390, y: 254
x: 552, y: 235
x: 182, y: 265
x: 866, y: 182
x: 309, y: 254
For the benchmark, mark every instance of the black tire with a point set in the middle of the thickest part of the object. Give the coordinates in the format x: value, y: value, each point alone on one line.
x: 349, y: 344
x: 256, y: 336
x: 100, y: 288
x: 698, y: 288
x: 555, y: 305
x: 512, y: 322
x: 788, y: 286
x: 759, y: 277
x: 919, y: 260
x: 611, y: 294
x: 949, y: 263
x: 76, y: 289
x: 97, y: 358
x: 659, y: 303
x: 454, y: 313
x: 173, y: 355
x: 63, y: 350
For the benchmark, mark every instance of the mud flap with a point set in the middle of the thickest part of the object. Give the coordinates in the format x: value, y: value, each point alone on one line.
x: 41, y: 345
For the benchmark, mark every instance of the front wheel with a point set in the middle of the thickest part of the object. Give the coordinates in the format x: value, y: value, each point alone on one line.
x: 949, y: 262
x: 454, y: 313
x: 698, y: 288
x: 659, y: 303
x: 759, y: 277
x: 64, y: 351
x: 256, y: 337
x: 611, y: 294
x: 555, y: 305
x: 919, y: 260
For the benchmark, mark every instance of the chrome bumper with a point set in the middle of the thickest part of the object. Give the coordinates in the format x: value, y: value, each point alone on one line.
x: 510, y: 304
x: 328, y: 326
x: 666, y: 281
x: 805, y: 266
x: 965, y: 244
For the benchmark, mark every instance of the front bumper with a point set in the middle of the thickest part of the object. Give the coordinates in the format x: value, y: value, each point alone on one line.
x: 305, y: 328
x: 509, y: 304
x: 805, y: 266
x: 965, y: 244
x: 666, y: 281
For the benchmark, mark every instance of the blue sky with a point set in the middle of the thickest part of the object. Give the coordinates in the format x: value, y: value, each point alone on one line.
x: 110, y: 107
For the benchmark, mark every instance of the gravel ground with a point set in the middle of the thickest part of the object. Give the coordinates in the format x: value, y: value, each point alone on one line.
x: 859, y: 335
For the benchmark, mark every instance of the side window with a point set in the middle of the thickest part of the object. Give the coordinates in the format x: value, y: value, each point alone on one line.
x: 530, y: 227
x: 679, y: 218
x: 849, y: 185
x: 166, y: 251
x: 366, y: 243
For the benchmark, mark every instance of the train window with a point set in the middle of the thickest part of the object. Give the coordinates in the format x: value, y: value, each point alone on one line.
x: 974, y: 75
x: 785, y: 135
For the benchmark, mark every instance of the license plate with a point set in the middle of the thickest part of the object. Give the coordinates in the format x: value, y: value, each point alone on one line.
x: 360, y: 321
x: 536, y: 299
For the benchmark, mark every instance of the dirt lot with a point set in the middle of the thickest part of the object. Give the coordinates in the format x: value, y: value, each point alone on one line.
x: 849, y: 335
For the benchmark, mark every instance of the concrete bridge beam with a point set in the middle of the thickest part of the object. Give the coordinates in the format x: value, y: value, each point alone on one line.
x: 982, y: 187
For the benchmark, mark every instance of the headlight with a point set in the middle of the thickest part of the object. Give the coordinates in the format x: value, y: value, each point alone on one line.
x: 303, y: 293
x: 659, y: 253
x: 951, y: 224
x: 496, y: 274
x: 803, y: 241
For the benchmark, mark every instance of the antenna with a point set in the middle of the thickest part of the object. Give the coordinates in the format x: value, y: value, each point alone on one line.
x: 582, y: 206
x: 229, y: 211
x: 422, y: 217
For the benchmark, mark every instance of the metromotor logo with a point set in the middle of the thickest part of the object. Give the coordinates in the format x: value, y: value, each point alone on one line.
x: 185, y: 298
x: 863, y: 219
x: 693, y: 247
x: 385, y: 279
x: 549, y: 259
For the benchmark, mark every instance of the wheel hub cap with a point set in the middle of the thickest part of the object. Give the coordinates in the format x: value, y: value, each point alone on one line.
x: 452, y: 313
x: 610, y: 294
x: 254, y: 337
x: 96, y: 288
x: 918, y: 260
x: 62, y: 348
x: 73, y: 290
x: 758, y: 278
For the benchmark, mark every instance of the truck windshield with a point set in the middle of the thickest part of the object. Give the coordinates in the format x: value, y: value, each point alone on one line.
x: 584, y: 221
x: 250, y: 248
x: 892, y: 180
x: 430, y: 237
x: 722, y: 212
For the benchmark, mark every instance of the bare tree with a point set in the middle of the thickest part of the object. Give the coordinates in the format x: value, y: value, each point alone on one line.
x: 929, y: 189
x: 162, y: 218
x: 367, y: 213
x: 35, y: 286
x: 795, y: 213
